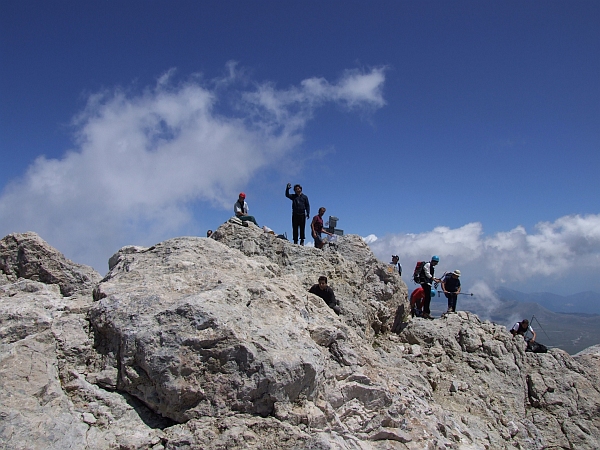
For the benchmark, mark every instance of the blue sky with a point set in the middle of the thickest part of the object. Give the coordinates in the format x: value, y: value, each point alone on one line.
x: 466, y: 129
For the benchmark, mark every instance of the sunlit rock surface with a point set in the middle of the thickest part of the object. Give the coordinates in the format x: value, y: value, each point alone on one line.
x: 216, y: 344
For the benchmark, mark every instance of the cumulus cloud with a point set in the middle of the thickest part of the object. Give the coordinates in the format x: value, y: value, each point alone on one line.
x: 566, y: 249
x: 139, y: 159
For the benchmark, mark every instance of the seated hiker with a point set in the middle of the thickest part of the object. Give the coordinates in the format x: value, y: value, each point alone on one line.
x: 240, y: 208
x: 451, y: 288
x: 326, y: 293
x: 316, y: 228
x: 417, y: 301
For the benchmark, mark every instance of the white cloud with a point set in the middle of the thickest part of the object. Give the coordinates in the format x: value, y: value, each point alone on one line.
x: 370, y: 239
x: 556, y: 252
x: 141, y: 158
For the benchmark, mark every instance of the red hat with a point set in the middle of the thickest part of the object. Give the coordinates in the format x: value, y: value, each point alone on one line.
x: 242, y: 195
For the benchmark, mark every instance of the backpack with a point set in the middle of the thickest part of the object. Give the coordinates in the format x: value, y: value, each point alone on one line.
x: 534, y: 347
x: 418, y: 272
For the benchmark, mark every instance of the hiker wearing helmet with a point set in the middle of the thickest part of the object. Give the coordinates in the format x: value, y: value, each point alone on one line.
x: 240, y: 208
x: 451, y: 288
x: 396, y: 264
x: 300, y: 211
x: 428, y: 279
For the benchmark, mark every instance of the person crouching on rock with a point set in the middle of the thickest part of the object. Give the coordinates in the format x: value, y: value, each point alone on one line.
x: 326, y: 293
x: 240, y: 208
x: 523, y: 328
x: 417, y: 300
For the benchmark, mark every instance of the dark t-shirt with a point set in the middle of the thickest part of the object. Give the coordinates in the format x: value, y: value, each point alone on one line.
x: 326, y: 294
x: 452, y: 284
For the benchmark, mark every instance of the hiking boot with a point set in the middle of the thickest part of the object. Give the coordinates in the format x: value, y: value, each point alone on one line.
x: 302, y: 243
x: 427, y: 316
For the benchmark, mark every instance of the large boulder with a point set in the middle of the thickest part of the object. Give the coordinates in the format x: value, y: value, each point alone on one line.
x: 221, y: 331
x: 45, y: 347
x: 26, y: 255
x: 482, y: 373
x: 371, y: 293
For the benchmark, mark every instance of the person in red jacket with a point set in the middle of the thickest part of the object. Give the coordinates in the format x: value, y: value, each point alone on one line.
x: 417, y: 301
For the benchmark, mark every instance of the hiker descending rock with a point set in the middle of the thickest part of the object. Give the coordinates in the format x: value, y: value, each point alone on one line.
x: 522, y: 328
x: 326, y: 293
x: 451, y: 289
x: 395, y: 263
x: 300, y: 211
x: 316, y: 228
x: 417, y: 300
x: 424, y: 275
x: 240, y: 208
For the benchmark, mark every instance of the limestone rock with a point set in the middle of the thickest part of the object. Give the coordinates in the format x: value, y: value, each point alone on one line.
x: 481, y: 372
x: 26, y: 255
x: 215, y: 343
x: 370, y: 294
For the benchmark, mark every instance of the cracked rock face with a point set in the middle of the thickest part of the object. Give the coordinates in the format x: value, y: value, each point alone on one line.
x: 26, y: 255
x: 216, y: 344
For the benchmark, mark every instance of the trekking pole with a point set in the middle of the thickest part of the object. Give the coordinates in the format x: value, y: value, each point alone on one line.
x: 538, y: 322
x: 457, y: 293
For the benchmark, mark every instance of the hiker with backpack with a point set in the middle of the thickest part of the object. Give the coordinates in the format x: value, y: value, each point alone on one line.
x: 240, y: 209
x: 396, y: 264
x: 424, y: 275
x: 417, y: 299
x: 300, y: 211
x: 451, y: 289
x: 316, y: 228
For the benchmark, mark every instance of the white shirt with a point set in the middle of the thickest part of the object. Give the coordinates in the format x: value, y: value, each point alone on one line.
x: 516, y: 326
x: 237, y: 208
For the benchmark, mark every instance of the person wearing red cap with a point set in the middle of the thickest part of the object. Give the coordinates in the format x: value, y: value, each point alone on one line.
x: 241, y: 210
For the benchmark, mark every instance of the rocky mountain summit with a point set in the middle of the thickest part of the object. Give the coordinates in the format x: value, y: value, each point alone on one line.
x: 215, y: 343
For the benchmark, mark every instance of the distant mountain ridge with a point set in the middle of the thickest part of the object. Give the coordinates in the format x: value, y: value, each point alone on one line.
x: 583, y: 302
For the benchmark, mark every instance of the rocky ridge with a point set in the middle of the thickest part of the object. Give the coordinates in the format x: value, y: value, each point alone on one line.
x: 215, y: 343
